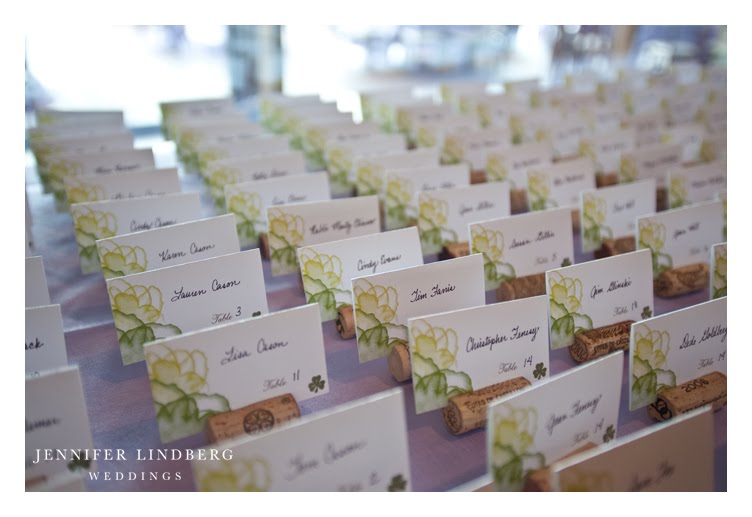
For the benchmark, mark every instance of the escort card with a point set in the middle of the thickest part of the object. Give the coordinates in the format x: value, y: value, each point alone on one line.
x: 251, y: 148
x: 45, y: 340
x: 190, y: 137
x: 154, y: 182
x: 695, y: 184
x: 401, y: 185
x: 648, y: 128
x: 675, y: 348
x: 317, y: 134
x: 384, y: 302
x: 610, y: 212
x: 328, y: 269
x: 104, y: 219
x: 36, y: 283
x: 212, y: 371
x: 58, y: 437
x: 689, y: 137
x: 718, y: 271
x: 432, y: 134
x: 369, y: 171
x: 673, y: 457
x: 650, y: 162
x: 168, y: 246
x: 513, y: 163
x: 474, y: 147
x: 340, y: 157
x: 559, y: 185
x: 500, y: 342
x: 241, y: 170
x: 523, y: 245
x: 566, y: 136
x: 598, y: 293
x: 530, y: 429
x: 496, y: 110
x: 171, y: 301
x: 444, y: 214
x: 606, y: 149
x: 682, y: 236
x: 359, y: 446
x: 303, y: 224
x: 249, y: 200
x: 51, y: 117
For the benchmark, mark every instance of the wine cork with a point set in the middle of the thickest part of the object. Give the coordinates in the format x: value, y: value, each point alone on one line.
x: 682, y: 280
x: 264, y: 246
x: 468, y: 411
x: 606, y: 179
x: 399, y: 363
x: 540, y: 480
x: 591, y: 344
x: 522, y: 287
x: 708, y: 389
x: 576, y: 220
x: 612, y: 247
x: 477, y: 177
x: 255, y: 418
x: 661, y: 199
x: 454, y: 250
x: 345, y: 322
x: 518, y: 200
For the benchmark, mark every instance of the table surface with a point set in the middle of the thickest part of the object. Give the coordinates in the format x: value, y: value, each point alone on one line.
x: 121, y: 413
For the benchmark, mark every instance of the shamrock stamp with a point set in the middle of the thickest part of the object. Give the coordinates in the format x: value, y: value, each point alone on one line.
x: 397, y: 484
x: 540, y: 371
x: 610, y: 434
x: 316, y: 384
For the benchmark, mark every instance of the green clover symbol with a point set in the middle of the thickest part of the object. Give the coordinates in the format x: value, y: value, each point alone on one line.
x: 79, y: 463
x: 317, y: 383
x: 540, y: 371
x: 610, y: 434
x: 397, y: 484
x: 566, y: 262
x: 257, y: 313
x: 646, y: 312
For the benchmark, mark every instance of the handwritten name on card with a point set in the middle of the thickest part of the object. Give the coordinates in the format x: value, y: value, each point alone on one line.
x: 45, y: 340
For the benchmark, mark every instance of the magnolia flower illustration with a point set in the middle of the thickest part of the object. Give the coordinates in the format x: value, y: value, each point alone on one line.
x: 237, y: 475
x: 719, y: 273
x: 651, y: 348
x: 286, y: 233
x: 587, y: 150
x: 594, y: 232
x: 678, y: 192
x: 490, y: 243
x: 627, y: 170
x: 512, y: 457
x: 314, y: 143
x: 205, y: 156
x: 397, y: 202
x: 434, y: 359
x: 137, y: 311
x: 496, y: 169
x: 575, y: 480
x: 404, y: 122
x: 81, y: 192
x: 653, y: 236
x: 180, y: 391
x: 339, y: 164
x: 217, y: 179
x: 368, y: 180
x: 452, y: 151
x: 91, y: 225
x: 538, y: 187
x: 425, y: 136
x: 322, y: 281
x: 433, y: 214
x: 247, y: 207
x: 375, y: 317
x: 484, y: 115
x: 121, y: 260
x: 517, y: 126
x: 565, y: 300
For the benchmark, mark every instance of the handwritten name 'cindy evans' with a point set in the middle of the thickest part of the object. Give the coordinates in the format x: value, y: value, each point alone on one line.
x: 137, y: 226
x: 167, y: 255
x: 216, y: 285
x: 300, y: 465
x: 542, y: 236
x: 341, y: 226
x: 613, y: 286
x: 482, y: 205
x: 418, y: 295
x: 475, y: 343
x: 709, y: 333
x: 578, y: 407
x: 372, y: 264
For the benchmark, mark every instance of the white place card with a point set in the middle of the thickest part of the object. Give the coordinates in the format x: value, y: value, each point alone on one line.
x: 565, y: 138
x: 168, y: 246
x: 512, y: 164
x: 251, y: 148
x: 610, y: 212
x: 651, y: 162
x: 444, y: 214
x: 695, y: 184
x: 598, y: 293
x: 328, y: 269
x: 45, y: 339
x: 456, y: 352
x: 36, y: 282
x: 474, y: 147
x: 340, y: 157
x: 559, y: 185
x: 220, y: 173
x: 432, y: 134
x: 605, y: 149
x: 531, y: 429
x: 154, y: 182
x: 648, y: 128
x: 383, y: 303
x: 171, y: 301
x: 689, y: 137
x: 523, y: 245
x: 369, y: 171
x: 230, y: 366
x: 52, y: 117
x: 718, y: 271
x: 317, y: 133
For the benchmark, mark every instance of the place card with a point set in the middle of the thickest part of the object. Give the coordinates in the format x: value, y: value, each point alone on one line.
x: 52, y: 117
x: 695, y: 184
x: 273, y: 108
x: 689, y: 137
x: 401, y: 186
x: 221, y: 173
x: 168, y: 246
x: 174, y: 300
x: 444, y: 214
x: 45, y: 339
x: 674, y: 348
x: 248, y: 201
x: 530, y: 126
x: 496, y: 110
x: 433, y: 134
x: 605, y: 118
x: 532, y: 428
x: 36, y: 283
x: 303, y: 224
x: 369, y: 171
x: 598, y: 293
x: 560, y: 184
x: 215, y: 370
x: 673, y: 457
x: 316, y: 134
x: 58, y: 437
x: 328, y: 269
x: 340, y: 157
x: 718, y: 271
x: 522, y: 88
x: 652, y: 162
x: 103, y: 219
x: 605, y: 149
x: 500, y: 342
x: 566, y: 136
x: 154, y: 182
x: 197, y: 133
x: 407, y: 116
x: 610, y: 212
x: 681, y: 236
x: 251, y: 148
x: 648, y: 128
x: 474, y: 147
x: 523, y: 245
x: 197, y: 109
x: 384, y: 302
x: 513, y: 163
x: 359, y: 446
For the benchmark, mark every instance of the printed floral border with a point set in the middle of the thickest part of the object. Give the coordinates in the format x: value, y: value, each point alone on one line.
x: 376, y: 322
x: 650, y: 357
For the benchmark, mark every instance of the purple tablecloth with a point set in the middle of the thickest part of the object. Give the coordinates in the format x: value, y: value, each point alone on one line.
x: 119, y: 400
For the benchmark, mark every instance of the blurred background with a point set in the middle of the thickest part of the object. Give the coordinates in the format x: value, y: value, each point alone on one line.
x: 133, y: 68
